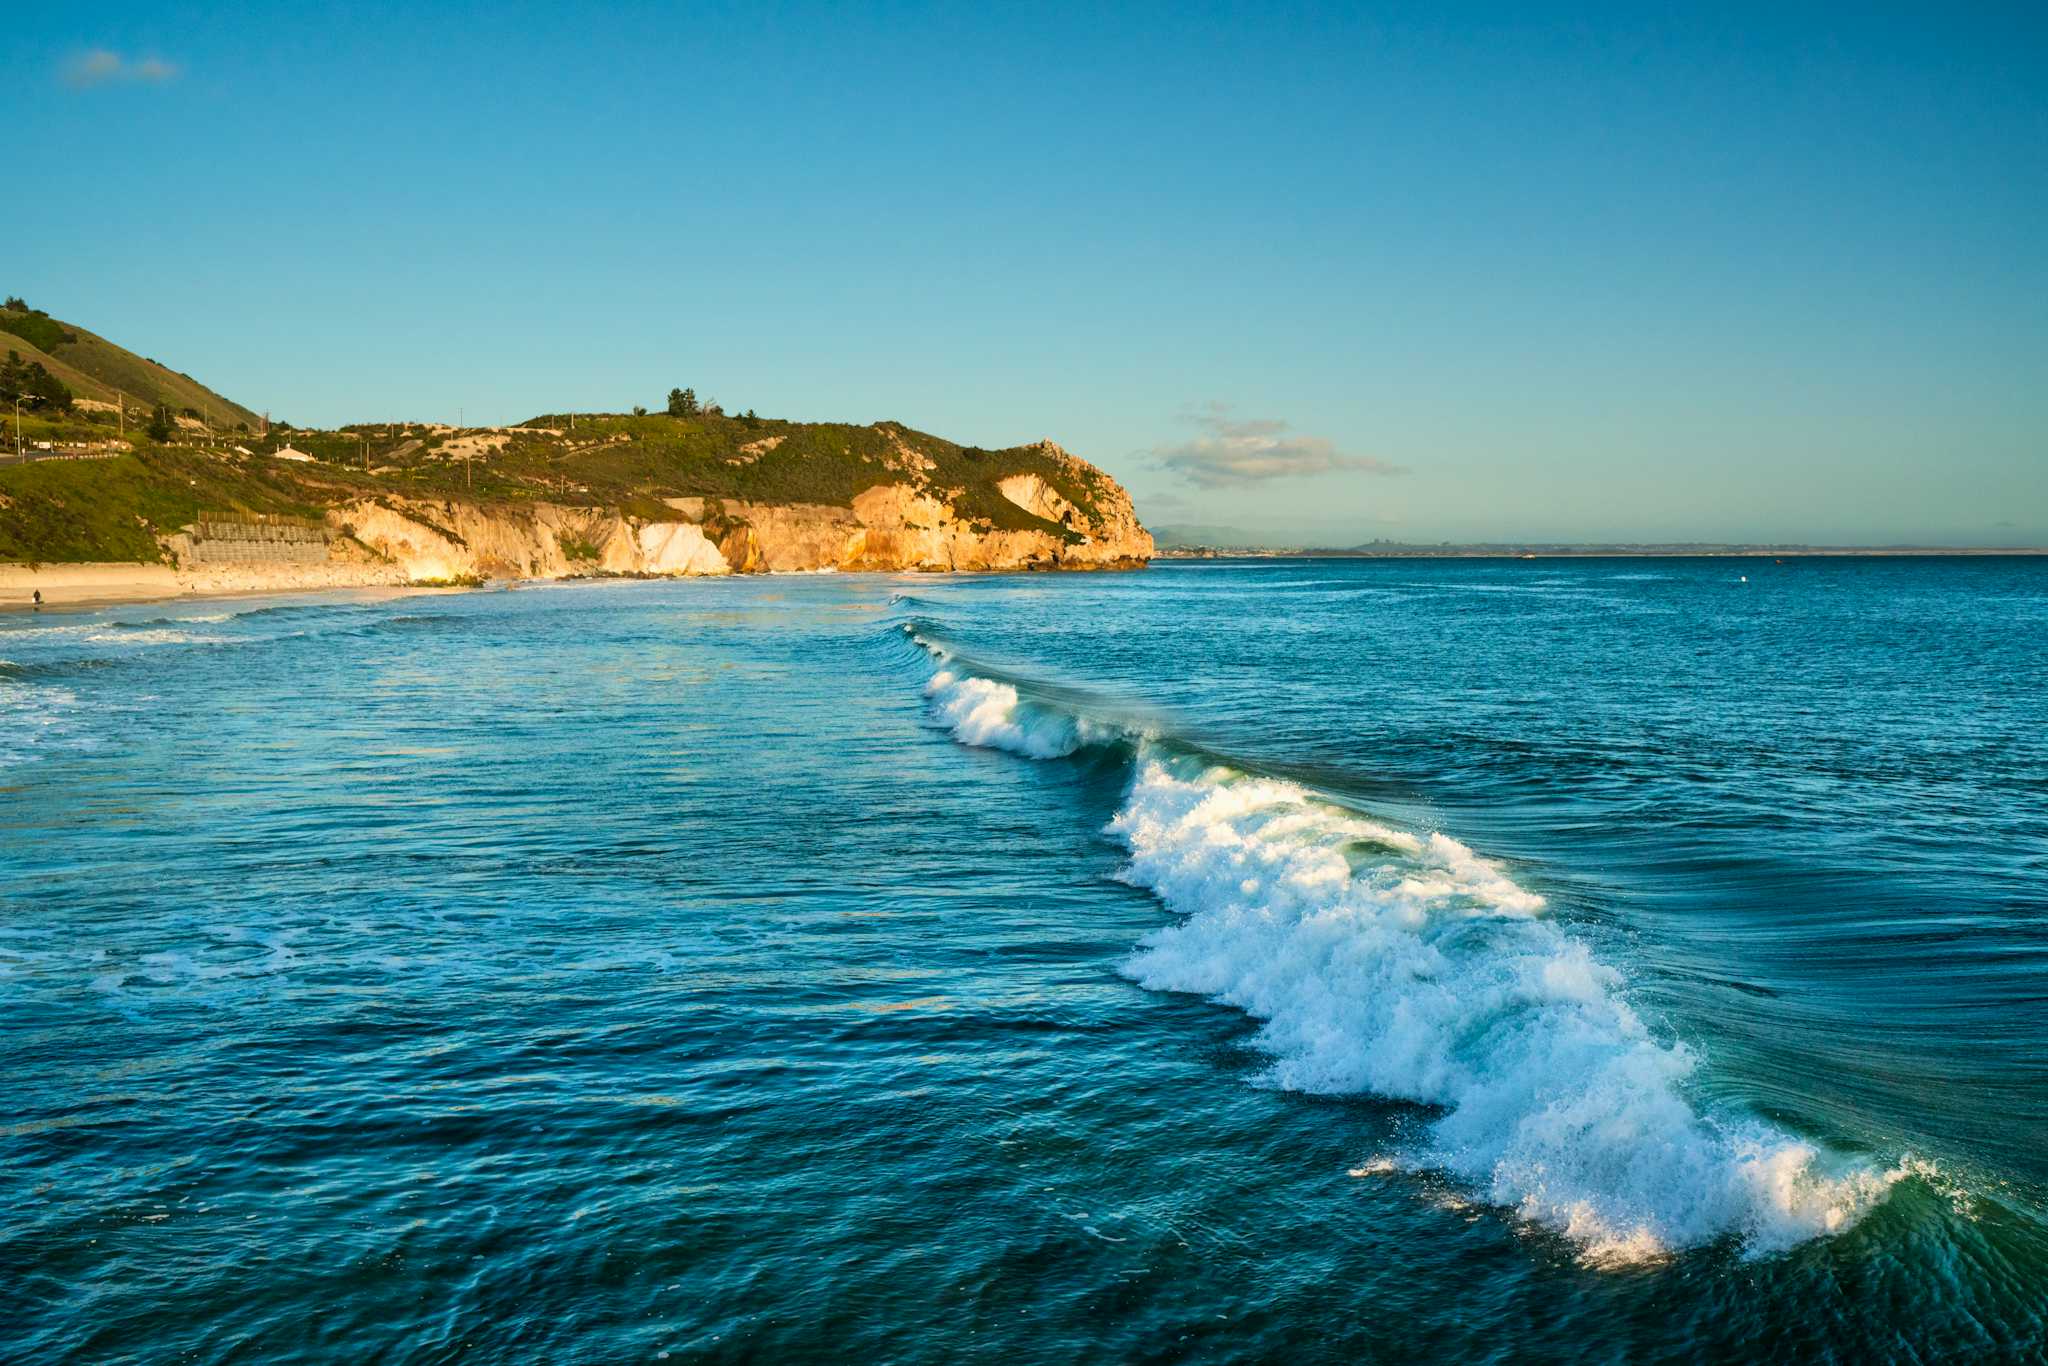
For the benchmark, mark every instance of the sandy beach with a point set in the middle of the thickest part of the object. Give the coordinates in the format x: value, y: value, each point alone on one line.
x: 76, y: 586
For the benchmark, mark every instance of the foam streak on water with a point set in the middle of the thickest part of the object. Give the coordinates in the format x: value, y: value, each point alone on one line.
x: 1406, y: 966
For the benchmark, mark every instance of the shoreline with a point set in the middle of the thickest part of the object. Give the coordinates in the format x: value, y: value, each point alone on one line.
x: 94, y: 585
x: 90, y: 586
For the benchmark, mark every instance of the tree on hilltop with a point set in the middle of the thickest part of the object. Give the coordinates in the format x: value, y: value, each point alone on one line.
x: 682, y: 403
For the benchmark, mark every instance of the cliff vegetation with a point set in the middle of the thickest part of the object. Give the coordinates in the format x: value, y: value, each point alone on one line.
x: 108, y: 485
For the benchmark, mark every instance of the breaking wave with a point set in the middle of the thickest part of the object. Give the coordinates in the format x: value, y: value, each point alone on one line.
x: 1407, y: 966
x: 984, y: 712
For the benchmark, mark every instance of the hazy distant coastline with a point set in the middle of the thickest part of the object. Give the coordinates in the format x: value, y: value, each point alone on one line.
x: 1544, y: 551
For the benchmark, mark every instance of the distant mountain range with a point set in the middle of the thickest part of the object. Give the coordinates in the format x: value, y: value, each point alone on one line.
x: 1188, y: 537
x: 1555, y: 550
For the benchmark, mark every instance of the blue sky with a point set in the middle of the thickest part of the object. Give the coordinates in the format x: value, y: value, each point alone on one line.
x: 1328, y: 273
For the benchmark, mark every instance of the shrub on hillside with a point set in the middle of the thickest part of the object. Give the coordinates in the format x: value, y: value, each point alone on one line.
x: 37, y: 329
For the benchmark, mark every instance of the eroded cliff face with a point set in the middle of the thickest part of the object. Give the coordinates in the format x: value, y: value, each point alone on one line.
x: 905, y: 525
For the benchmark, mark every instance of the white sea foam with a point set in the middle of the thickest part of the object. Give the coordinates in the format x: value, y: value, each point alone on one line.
x: 1415, y: 969
x: 35, y: 719
x: 153, y: 635
x: 1410, y: 967
x: 982, y: 712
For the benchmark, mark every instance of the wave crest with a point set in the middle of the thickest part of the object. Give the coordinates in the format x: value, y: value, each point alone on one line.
x: 1408, y: 966
x: 990, y: 715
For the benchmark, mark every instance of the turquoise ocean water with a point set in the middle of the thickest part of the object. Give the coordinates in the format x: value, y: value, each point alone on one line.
x: 1294, y: 960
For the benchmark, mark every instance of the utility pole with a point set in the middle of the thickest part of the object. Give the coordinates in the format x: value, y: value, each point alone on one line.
x: 21, y: 451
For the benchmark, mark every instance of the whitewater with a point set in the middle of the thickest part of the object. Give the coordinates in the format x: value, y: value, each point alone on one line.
x: 1404, y: 965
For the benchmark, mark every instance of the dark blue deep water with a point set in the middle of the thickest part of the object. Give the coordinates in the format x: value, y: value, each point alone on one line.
x: 1303, y: 961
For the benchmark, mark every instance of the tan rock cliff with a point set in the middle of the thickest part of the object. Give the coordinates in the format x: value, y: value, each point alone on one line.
x: 890, y: 527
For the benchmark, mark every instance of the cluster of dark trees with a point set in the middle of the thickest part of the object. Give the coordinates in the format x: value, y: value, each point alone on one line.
x: 29, y: 382
x: 683, y: 403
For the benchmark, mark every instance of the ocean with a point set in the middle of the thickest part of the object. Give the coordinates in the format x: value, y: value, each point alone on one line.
x: 1257, y: 960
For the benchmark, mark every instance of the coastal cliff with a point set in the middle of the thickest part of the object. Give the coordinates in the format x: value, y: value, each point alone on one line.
x: 889, y: 527
x: 133, y: 466
x: 911, y: 522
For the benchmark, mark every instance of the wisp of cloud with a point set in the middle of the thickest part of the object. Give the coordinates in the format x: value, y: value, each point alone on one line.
x: 1236, y: 451
x: 100, y: 66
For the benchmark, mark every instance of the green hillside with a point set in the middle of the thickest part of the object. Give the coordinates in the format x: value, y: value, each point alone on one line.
x: 85, y: 511
x: 94, y: 368
x: 54, y: 511
x: 115, y: 507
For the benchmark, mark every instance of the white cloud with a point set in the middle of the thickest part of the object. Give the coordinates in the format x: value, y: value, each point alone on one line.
x: 1232, y: 452
x: 99, y: 66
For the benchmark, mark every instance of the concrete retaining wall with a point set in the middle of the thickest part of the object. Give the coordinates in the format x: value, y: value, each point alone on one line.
x: 257, y: 540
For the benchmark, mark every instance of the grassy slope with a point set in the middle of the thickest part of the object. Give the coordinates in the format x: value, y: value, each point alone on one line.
x: 69, y: 511
x: 65, y: 511
x: 93, y: 367
x: 813, y: 462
